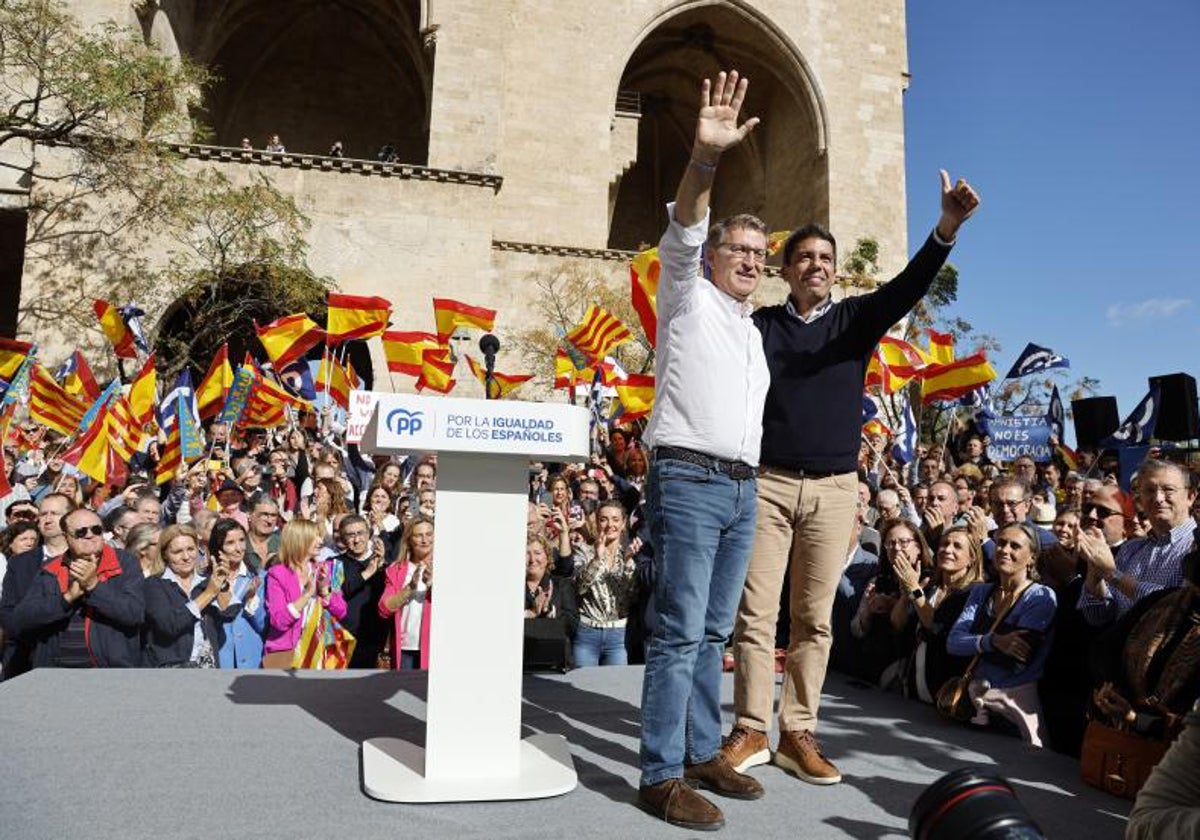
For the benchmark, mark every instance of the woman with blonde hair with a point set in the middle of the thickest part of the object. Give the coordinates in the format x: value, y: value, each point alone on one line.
x: 408, y: 595
x: 142, y: 543
x: 180, y: 630
x: 297, y: 586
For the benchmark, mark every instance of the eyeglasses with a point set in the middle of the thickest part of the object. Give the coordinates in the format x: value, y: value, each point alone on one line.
x: 1099, y: 513
x: 1012, y: 504
x: 892, y: 545
x: 86, y: 531
x: 738, y: 250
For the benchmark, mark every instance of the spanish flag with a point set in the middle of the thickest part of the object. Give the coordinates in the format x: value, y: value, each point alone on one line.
x: 1069, y: 456
x: 903, y: 358
x: 6, y: 415
x: 505, y: 383
x: 336, y: 380
x: 143, y: 393
x: 951, y: 381
x: 880, y: 375
x: 643, y: 274
x: 356, y: 316
x: 636, y: 394
x: 115, y: 329
x: 272, y: 392
x: 403, y: 350
x: 77, y: 377
x: 941, y: 347
x: 449, y: 314
x: 566, y: 375
x: 776, y: 241
x: 12, y: 354
x: 600, y: 332
x: 288, y: 338
x: 437, y: 371
x: 210, y: 396
x: 51, y: 405
x: 875, y: 426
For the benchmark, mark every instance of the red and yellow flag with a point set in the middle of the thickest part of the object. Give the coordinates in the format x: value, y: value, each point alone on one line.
x: 51, y: 405
x: 953, y: 380
x: 288, y: 338
x: 12, y: 354
x: 90, y: 452
x: 210, y: 396
x: 636, y: 393
x: 903, y: 358
x: 6, y: 416
x: 143, y: 393
x: 941, y: 347
x: 126, y: 431
x: 505, y: 383
x: 403, y: 350
x: 450, y: 314
x: 643, y: 274
x: 776, y: 241
x: 337, y: 379
x: 115, y: 329
x: 567, y: 375
x: 437, y: 371
x: 80, y: 380
x: 598, y: 334
x: 356, y: 316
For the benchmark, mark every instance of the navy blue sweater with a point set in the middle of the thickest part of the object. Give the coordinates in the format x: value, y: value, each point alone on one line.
x: 813, y: 416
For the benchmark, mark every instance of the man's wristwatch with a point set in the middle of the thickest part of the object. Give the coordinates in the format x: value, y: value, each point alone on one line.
x: 917, y: 594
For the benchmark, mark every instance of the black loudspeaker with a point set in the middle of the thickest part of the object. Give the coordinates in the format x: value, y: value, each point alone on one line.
x: 1178, y: 417
x: 1095, y: 419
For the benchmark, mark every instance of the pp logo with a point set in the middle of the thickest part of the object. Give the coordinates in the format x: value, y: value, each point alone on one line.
x: 403, y: 422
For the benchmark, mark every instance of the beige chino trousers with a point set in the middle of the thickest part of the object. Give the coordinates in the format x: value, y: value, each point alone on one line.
x: 804, y: 527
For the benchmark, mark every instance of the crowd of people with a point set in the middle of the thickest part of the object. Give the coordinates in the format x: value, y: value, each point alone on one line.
x: 387, y: 152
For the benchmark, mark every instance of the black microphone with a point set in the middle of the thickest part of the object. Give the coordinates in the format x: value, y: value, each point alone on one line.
x: 489, y: 346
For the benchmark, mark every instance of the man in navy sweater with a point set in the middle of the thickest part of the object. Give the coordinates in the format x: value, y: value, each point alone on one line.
x: 817, y: 351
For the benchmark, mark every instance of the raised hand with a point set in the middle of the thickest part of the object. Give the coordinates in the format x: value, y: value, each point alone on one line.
x: 958, y: 203
x: 717, y: 126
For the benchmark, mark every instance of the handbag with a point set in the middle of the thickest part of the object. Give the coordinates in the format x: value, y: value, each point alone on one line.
x: 279, y: 659
x: 1118, y: 761
x: 953, y: 699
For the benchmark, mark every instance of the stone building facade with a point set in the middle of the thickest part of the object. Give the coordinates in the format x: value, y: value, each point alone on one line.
x: 528, y: 132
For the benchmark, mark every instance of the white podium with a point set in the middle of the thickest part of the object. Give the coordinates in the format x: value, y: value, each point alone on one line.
x: 473, y: 747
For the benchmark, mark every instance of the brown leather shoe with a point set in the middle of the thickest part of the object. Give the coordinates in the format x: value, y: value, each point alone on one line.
x: 719, y: 776
x: 800, y: 754
x: 746, y: 748
x: 674, y: 800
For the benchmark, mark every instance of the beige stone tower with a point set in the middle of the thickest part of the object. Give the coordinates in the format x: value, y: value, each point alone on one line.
x: 527, y: 132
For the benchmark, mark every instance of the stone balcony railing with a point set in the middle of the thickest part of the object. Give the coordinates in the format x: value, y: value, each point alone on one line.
x: 324, y: 163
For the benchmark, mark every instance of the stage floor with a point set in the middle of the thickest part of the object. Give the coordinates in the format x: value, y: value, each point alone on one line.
x: 225, y: 754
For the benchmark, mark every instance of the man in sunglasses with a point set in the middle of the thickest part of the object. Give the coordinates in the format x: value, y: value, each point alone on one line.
x: 1106, y: 511
x: 85, y: 606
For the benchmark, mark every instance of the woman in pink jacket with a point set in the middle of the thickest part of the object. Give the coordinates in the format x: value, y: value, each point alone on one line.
x: 407, y: 595
x: 297, y: 584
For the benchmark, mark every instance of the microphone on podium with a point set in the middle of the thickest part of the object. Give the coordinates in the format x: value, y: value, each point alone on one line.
x: 489, y: 346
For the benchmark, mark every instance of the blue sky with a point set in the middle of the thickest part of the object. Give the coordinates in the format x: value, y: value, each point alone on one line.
x: 1078, y: 121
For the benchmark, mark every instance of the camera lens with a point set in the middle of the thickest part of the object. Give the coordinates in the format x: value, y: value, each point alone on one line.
x: 971, y: 804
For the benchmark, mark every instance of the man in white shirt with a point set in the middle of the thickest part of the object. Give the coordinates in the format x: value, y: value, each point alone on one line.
x: 711, y: 381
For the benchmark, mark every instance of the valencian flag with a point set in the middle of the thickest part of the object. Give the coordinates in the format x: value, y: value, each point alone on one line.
x: 239, y: 393
x: 90, y: 452
x: 450, y: 314
x: 941, y: 347
x: 183, y: 442
x: 598, y: 334
x: 356, y: 316
x: 210, y: 396
x: 1034, y: 359
x: 17, y: 389
x: 643, y: 275
x: 115, y: 328
x: 566, y: 375
x: 403, y: 350
x: 324, y: 642
x: 505, y: 383
x: 1138, y: 427
x: 437, y: 371
x: 12, y: 354
x: 953, y: 380
x: 125, y: 433
x: 636, y: 394
x: 288, y: 338
x: 51, y: 405
x: 77, y: 377
x: 337, y: 380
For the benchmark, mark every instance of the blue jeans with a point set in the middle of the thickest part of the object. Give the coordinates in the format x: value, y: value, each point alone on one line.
x: 702, y: 526
x: 599, y: 646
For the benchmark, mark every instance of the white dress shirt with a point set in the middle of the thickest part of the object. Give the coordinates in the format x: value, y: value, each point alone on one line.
x: 711, y: 375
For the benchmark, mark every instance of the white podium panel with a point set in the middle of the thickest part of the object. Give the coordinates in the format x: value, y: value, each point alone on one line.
x: 473, y: 749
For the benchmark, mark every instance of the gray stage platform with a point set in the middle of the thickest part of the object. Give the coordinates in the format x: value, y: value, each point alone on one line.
x: 221, y: 754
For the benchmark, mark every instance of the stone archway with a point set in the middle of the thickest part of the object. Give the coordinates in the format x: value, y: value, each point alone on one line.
x: 316, y: 71
x: 780, y: 174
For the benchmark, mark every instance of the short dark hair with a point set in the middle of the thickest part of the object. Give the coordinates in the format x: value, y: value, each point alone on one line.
x: 352, y: 519
x: 812, y: 230
x: 216, y: 537
x: 114, y: 517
